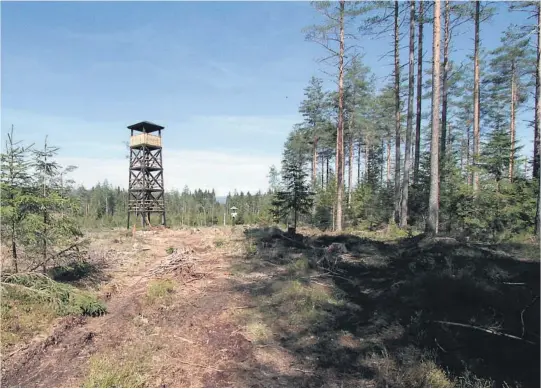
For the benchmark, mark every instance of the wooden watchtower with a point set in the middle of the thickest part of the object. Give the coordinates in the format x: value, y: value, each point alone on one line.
x: 146, y: 189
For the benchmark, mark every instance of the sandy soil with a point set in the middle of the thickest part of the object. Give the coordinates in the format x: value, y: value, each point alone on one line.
x: 194, y: 340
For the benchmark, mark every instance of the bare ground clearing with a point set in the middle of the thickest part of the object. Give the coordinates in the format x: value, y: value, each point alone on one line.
x: 189, y: 337
x: 219, y: 307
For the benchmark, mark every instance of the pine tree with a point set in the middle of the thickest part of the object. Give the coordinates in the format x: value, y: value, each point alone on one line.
x: 296, y: 197
x: 53, y: 229
x: 409, y: 126
x: 433, y: 206
x: 511, y: 67
x: 313, y: 110
x: 17, y: 199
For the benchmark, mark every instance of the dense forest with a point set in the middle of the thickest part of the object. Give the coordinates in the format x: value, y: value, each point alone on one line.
x: 435, y: 149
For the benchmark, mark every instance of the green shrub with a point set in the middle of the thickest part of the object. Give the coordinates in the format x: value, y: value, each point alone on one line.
x: 38, y: 288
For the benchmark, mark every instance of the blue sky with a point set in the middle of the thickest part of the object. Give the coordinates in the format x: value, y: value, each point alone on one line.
x: 224, y: 78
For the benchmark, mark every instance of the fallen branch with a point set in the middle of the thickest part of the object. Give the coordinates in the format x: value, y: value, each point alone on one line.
x: 522, y: 314
x: 304, y: 371
x: 244, y: 307
x: 439, y: 346
x: 73, y: 246
x: 197, y: 365
x: 184, y: 339
x: 296, y: 242
x: 493, y: 332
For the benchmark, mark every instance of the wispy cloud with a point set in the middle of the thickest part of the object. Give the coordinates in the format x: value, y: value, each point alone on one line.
x: 97, y: 149
x: 221, y: 171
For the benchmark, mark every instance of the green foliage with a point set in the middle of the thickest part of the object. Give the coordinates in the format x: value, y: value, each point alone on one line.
x: 159, y: 289
x: 36, y: 210
x: 38, y: 288
x: 296, y: 197
x: 125, y: 370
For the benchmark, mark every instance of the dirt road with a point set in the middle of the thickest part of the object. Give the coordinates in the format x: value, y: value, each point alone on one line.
x: 190, y: 337
x: 219, y: 307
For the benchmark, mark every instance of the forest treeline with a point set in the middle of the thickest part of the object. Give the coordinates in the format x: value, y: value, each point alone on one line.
x: 435, y: 148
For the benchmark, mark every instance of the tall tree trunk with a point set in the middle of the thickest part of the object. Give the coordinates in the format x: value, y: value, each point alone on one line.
x: 327, y: 175
x: 476, y: 113
x: 366, y: 155
x: 397, y: 116
x: 468, y: 153
x: 322, y: 171
x: 537, y: 140
x: 359, y: 162
x: 512, y: 124
x: 445, y: 77
x: 14, y: 246
x: 314, y: 162
x: 409, y: 123
x: 433, y: 202
x: 389, y: 161
x: 340, y: 129
x: 350, y: 169
x: 537, y: 120
x: 419, y: 95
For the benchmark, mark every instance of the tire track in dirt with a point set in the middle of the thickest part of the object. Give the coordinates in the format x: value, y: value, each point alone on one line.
x: 59, y: 359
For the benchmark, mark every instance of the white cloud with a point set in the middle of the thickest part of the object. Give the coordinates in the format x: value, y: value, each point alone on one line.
x: 199, y: 169
x: 97, y: 149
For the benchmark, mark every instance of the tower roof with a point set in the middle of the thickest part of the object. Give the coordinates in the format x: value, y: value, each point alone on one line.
x: 145, y: 126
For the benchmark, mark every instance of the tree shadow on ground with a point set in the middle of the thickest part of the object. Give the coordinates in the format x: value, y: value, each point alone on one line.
x: 80, y: 272
x: 373, y: 316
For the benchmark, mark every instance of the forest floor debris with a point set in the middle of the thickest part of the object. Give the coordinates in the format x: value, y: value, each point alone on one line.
x: 239, y: 307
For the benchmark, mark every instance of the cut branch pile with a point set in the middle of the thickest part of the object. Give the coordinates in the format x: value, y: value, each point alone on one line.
x: 181, y: 262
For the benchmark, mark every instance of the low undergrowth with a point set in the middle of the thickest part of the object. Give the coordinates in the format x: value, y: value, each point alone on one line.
x: 160, y: 291
x: 117, y: 369
x: 418, y: 312
x: 31, y: 301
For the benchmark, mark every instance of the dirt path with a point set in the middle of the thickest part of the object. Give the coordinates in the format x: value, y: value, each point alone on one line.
x: 190, y: 338
x: 254, y: 311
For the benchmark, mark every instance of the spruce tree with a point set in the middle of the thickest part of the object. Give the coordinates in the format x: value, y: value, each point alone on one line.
x: 296, y: 197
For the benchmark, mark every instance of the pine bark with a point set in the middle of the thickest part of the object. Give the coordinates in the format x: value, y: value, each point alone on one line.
x: 419, y: 95
x: 359, y: 163
x: 512, y: 124
x: 366, y: 155
x: 537, y: 120
x: 350, y: 168
x: 314, y: 162
x: 433, y: 203
x: 389, y: 161
x: 476, y: 113
x: 340, y: 129
x: 397, y: 116
x: 445, y: 77
x: 409, y: 123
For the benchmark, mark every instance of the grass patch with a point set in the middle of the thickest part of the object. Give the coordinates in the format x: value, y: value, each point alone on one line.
x: 170, y: 250
x: 35, y: 288
x: 31, y: 301
x: 219, y: 242
x: 303, y: 303
x: 116, y: 371
x: 298, y: 266
x: 160, y: 291
x: 21, y: 321
x: 258, y: 332
x: 250, y: 248
x: 409, y: 368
